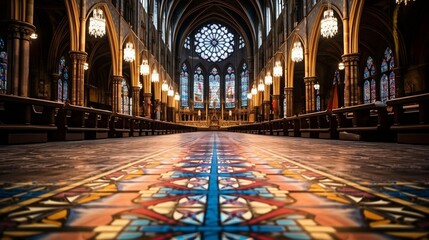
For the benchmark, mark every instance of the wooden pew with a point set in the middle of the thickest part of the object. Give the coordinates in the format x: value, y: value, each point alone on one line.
x: 411, y: 118
x: 363, y: 122
x: 318, y: 125
x: 78, y: 123
x: 279, y: 127
x: 26, y: 120
x: 293, y: 126
x: 120, y: 125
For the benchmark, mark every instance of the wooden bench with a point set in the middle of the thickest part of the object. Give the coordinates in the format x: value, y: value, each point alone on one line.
x: 78, y: 123
x: 411, y: 118
x: 26, y: 120
x: 120, y: 125
x: 278, y: 127
x: 318, y: 125
x: 363, y: 122
x: 293, y: 126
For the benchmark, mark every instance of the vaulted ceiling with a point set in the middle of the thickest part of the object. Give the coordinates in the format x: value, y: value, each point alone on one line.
x: 183, y: 16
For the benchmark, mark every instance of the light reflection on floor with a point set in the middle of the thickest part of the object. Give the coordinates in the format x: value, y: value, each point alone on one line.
x: 220, y: 186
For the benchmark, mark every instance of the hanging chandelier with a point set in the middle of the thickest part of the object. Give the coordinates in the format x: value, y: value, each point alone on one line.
x: 329, y: 23
x: 129, y: 52
x: 170, y: 92
x: 97, y: 23
x: 155, y: 76
x: 177, y: 96
x: 268, y: 79
x: 297, y: 52
x: 144, y: 68
x: 254, y: 91
x: 278, y: 70
x: 249, y: 95
x: 164, y: 86
x: 261, y: 86
x: 403, y: 1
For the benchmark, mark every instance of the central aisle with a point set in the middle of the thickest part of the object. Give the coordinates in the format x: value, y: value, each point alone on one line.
x: 216, y: 186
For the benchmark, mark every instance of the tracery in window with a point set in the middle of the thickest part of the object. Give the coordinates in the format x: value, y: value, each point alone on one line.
x: 126, y: 103
x: 214, y: 89
x: 63, y: 80
x: 388, y: 79
x: 244, y: 85
x: 187, y: 44
x: 241, y: 43
x: 214, y: 43
x: 369, y: 85
x: 3, y: 67
x: 230, y: 88
x: 198, y: 88
x: 184, y: 81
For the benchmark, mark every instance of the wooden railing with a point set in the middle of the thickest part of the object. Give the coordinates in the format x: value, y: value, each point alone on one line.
x: 30, y: 120
x: 26, y: 120
x: 411, y: 118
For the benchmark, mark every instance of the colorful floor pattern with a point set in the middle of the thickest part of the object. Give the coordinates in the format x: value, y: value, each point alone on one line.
x: 215, y: 188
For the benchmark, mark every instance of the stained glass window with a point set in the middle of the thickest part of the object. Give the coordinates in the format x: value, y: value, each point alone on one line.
x: 230, y: 88
x: 155, y: 14
x: 214, y: 89
x: 318, y: 101
x: 63, y: 81
x: 244, y: 85
x: 369, y: 85
x: 214, y: 42
x: 388, y: 79
x: 198, y: 88
x: 184, y: 83
x: 3, y: 67
x: 187, y: 44
x: 267, y: 20
x: 126, y: 99
x: 241, y: 43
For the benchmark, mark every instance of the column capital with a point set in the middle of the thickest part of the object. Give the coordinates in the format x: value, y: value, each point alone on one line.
x: 117, y: 79
x: 350, y: 57
x: 78, y: 55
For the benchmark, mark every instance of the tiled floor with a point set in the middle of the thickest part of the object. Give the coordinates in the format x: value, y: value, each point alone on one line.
x: 214, y: 185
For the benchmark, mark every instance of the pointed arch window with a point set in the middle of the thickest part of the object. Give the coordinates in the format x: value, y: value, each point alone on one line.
x: 127, y: 101
x: 184, y: 83
x: 240, y: 43
x: 3, y: 67
x: 155, y: 14
x: 268, y: 20
x: 244, y: 85
x: 187, y: 44
x: 198, y: 88
x: 214, y: 88
x: 388, y: 78
x: 369, y: 85
x: 230, y: 88
x: 63, y: 80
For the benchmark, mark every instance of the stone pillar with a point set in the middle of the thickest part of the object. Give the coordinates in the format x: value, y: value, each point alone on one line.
x: 289, y: 101
x: 267, y: 103
x: 310, y: 100
x: 136, y: 101
x: 170, y: 108
x: 352, y: 90
x: 399, y: 82
x: 78, y: 59
x: 18, y: 54
x: 54, y: 86
x: 276, y: 106
x: 116, y: 94
x: 147, y: 104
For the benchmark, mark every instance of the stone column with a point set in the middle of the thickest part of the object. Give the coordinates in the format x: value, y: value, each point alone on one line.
x: 288, y: 91
x: 54, y: 86
x: 116, y: 94
x: 309, y: 94
x: 78, y: 59
x: 267, y: 103
x: 352, y: 90
x: 147, y: 104
x: 136, y: 101
x: 276, y: 97
x: 18, y: 54
x: 170, y: 108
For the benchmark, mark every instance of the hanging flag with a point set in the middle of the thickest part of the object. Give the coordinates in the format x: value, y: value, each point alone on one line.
x: 333, y: 99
